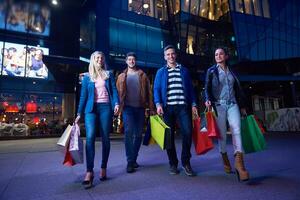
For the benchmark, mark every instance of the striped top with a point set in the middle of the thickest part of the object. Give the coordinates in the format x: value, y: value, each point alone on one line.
x: 175, y: 94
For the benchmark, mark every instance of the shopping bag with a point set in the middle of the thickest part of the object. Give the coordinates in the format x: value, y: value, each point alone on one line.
x: 160, y: 132
x: 212, y: 127
x: 148, y: 139
x: 147, y: 135
x: 252, y: 137
x: 76, y: 145
x: 64, y: 139
x: 201, y: 140
x: 259, y: 124
x: 203, y: 123
x: 68, y: 161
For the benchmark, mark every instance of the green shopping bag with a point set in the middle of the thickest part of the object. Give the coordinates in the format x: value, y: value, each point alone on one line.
x: 252, y: 137
x: 160, y: 132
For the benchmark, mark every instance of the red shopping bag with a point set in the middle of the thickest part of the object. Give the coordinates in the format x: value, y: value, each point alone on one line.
x: 68, y: 161
x: 212, y: 127
x: 259, y: 124
x: 201, y: 140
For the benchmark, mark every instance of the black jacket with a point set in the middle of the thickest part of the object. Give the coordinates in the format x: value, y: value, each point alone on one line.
x: 211, y: 87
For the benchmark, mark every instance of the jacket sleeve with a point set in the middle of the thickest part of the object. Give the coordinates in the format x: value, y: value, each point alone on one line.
x: 150, y: 98
x: 208, y: 86
x: 115, y: 96
x: 83, y: 95
x: 191, y: 89
x: 157, y: 88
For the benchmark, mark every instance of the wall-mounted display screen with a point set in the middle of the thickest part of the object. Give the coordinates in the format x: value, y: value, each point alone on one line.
x: 23, y: 60
x: 25, y: 16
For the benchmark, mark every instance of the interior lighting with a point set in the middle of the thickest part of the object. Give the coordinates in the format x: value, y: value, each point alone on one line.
x: 130, y: 1
x: 54, y: 2
x: 146, y: 5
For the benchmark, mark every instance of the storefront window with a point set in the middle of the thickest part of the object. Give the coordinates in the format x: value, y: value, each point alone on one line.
x: 31, y: 115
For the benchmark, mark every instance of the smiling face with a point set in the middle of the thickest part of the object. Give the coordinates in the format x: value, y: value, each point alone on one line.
x: 220, y: 56
x: 130, y: 61
x: 99, y: 60
x: 170, y: 57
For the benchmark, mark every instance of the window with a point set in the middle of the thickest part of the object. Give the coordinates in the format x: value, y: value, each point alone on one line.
x: 266, y: 10
x: 239, y: 6
x: 257, y: 8
x: 143, y: 7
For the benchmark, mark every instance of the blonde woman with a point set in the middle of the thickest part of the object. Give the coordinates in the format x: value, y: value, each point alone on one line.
x: 98, y: 101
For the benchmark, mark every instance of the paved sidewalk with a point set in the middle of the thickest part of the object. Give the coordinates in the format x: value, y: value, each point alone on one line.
x: 32, y: 170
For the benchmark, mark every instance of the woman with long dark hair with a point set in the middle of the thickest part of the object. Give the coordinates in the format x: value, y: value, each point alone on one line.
x: 223, y: 92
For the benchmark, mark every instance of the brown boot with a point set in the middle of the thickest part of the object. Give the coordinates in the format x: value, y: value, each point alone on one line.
x: 242, y: 174
x: 227, y: 167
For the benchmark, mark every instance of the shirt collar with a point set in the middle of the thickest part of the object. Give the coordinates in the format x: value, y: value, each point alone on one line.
x: 176, y: 67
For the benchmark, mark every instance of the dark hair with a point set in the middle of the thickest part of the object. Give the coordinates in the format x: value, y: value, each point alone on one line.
x: 169, y: 47
x: 130, y: 54
x: 225, y: 49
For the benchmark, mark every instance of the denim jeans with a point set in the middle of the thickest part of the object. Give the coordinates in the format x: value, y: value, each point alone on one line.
x: 230, y: 112
x: 98, y: 120
x: 181, y: 113
x: 133, y: 119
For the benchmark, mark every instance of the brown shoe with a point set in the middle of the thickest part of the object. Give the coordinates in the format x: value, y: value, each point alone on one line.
x: 227, y: 166
x: 242, y: 174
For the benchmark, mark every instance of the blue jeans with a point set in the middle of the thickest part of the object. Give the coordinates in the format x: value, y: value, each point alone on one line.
x: 98, y: 120
x: 133, y: 119
x: 181, y: 114
x: 230, y: 112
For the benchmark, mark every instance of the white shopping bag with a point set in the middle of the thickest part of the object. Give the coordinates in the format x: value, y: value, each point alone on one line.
x: 64, y: 139
x: 76, y: 145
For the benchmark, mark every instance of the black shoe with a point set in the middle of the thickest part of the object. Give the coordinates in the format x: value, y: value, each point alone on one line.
x: 136, y: 165
x: 188, y: 170
x: 173, y: 170
x: 130, y: 168
x: 88, y: 183
x: 103, y: 178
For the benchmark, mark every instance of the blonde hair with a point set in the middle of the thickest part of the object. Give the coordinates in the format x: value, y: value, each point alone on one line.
x: 94, y: 70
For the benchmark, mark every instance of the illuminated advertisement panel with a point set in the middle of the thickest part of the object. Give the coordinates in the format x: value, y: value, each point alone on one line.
x: 20, y: 60
x: 24, y: 16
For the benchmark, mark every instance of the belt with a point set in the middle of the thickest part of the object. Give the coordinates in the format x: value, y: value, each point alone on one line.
x: 224, y: 102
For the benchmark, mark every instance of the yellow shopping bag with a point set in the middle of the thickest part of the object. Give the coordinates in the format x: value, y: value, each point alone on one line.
x: 160, y: 132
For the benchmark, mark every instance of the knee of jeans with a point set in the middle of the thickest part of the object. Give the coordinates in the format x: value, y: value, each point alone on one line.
x: 89, y: 138
x: 235, y: 130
